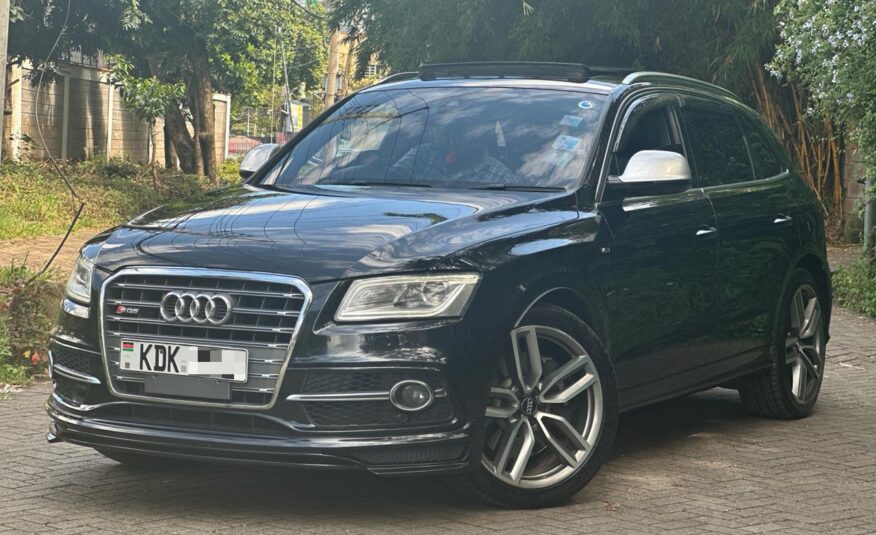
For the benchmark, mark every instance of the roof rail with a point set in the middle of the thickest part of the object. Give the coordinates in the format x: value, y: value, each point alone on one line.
x: 397, y: 77
x: 662, y: 77
x: 571, y: 72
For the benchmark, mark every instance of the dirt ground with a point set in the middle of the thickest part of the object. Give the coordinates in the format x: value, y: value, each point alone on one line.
x: 35, y: 251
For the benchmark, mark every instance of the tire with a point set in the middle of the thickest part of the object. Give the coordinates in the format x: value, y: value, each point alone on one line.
x: 594, y: 412
x: 774, y: 392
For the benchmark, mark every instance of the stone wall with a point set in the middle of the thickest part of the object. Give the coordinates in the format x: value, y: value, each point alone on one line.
x: 853, y: 192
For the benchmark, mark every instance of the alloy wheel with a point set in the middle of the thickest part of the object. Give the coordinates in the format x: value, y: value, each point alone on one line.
x: 545, y: 409
x: 804, y: 353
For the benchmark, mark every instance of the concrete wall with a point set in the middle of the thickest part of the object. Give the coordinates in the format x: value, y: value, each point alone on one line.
x: 42, y: 119
x: 221, y: 125
x: 81, y: 115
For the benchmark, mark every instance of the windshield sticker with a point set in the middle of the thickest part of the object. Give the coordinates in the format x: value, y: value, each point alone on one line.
x: 500, y: 135
x: 567, y: 143
x: 559, y: 159
x: 572, y: 121
x: 585, y: 105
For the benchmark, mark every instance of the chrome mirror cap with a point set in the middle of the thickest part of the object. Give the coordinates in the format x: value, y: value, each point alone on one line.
x: 652, y: 172
x: 656, y: 166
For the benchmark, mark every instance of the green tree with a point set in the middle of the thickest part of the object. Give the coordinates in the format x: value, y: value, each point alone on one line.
x: 205, y: 45
x: 148, y: 98
x: 830, y: 47
x: 723, y: 41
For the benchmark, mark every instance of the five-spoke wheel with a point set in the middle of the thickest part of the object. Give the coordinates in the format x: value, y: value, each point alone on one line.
x: 789, y: 388
x: 803, y: 343
x: 551, y: 413
x: 545, y: 409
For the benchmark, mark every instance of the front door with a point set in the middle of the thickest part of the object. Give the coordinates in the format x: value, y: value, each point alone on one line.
x: 659, y: 285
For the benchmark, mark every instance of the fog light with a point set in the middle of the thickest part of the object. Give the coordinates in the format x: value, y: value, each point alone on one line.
x: 411, y: 395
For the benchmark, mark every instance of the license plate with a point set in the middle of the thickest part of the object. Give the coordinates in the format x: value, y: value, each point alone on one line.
x: 172, y: 359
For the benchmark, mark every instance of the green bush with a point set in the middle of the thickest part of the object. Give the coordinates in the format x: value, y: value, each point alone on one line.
x: 27, y: 312
x: 854, y: 287
x: 14, y: 375
x: 35, y: 202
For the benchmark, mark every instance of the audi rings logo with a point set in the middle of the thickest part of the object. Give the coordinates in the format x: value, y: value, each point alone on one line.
x: 200, y: 308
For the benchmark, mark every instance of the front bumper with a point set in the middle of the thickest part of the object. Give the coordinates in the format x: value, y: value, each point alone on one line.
x: 95, y: 426
x: 454, y: 357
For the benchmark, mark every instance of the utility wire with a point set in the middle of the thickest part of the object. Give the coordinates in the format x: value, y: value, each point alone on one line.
x: 74, y: 197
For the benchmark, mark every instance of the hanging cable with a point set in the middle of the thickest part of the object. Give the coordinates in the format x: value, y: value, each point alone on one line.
x: 77, y: 204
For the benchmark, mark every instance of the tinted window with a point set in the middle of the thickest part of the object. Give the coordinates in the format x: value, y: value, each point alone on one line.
x: 763, y: 151
x: 450, y: 137
x: 646, y: 127
x: 717, y: 145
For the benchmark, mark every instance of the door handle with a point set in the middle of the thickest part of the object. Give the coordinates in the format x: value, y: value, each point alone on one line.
x: 781, y: 219
x: 706, y: 231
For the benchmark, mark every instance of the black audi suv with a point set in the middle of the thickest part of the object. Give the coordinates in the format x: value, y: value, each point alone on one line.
x: 468, y: 270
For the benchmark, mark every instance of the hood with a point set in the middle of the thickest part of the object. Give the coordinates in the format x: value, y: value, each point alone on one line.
x: 324, y: 233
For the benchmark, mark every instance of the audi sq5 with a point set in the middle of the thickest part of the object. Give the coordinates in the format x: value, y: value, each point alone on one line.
x: 470, y: 270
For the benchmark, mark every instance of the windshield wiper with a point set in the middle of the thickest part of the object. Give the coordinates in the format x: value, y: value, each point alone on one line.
x: 273, y: 187
x: 376, y: 183
x: 519, y: 187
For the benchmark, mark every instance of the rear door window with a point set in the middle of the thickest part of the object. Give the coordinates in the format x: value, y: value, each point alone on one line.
x: 717, y: 144
x: 764, y: 152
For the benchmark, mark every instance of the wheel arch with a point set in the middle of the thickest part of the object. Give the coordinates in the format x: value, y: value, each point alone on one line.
x: 571, y: 300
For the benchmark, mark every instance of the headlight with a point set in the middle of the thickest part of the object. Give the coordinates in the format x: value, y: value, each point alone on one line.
x: 407, y: 297
x: 79, y: 283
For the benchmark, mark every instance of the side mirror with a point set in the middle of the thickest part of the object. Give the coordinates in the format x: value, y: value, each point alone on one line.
x: 255, y: 158
x: 653, y: 172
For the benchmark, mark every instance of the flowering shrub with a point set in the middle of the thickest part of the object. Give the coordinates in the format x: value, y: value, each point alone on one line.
x: 27, y: 312
x: 830, y: 47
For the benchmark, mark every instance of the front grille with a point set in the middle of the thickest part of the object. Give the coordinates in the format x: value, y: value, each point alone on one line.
x: 363, y: 414
x: 338, y: 414
x: 267, y: 310
x: 192, y: 420
x: 322, y: 382
x: 71, y: 390
x: 76, y: 359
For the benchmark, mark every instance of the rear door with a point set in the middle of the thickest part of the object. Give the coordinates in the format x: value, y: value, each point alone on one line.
x: 746, y: 183
x: 662, y: 257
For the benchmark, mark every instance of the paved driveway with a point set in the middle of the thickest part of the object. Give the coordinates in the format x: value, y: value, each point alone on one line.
x: 694, y: 465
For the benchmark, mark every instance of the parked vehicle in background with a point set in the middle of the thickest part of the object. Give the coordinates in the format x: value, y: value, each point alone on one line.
x: 471, y: 270
x: 256, y: 157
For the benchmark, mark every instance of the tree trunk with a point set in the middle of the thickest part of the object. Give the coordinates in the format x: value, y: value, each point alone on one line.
x: 201, y: 90
x: 178, y: 135
x: 170, y: 157
x: 196, y: 146
x: 153, y: 154
x: 870, y: 223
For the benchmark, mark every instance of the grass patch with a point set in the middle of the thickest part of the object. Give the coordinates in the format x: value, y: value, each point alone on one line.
x: 27, y: 313
x: 35, y: 202
x: 854, y: 287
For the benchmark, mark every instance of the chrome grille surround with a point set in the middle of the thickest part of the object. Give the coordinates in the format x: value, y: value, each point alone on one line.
x: 272, y: 359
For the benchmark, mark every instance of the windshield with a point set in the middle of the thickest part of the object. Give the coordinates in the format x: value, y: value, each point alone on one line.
x: 449, y: 137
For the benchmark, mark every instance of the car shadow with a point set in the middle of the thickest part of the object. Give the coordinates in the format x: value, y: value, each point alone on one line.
x: 711, y: 412
x: 224, y: 491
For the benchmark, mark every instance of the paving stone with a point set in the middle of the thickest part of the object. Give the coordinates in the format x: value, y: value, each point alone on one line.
x: 698, y: 464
